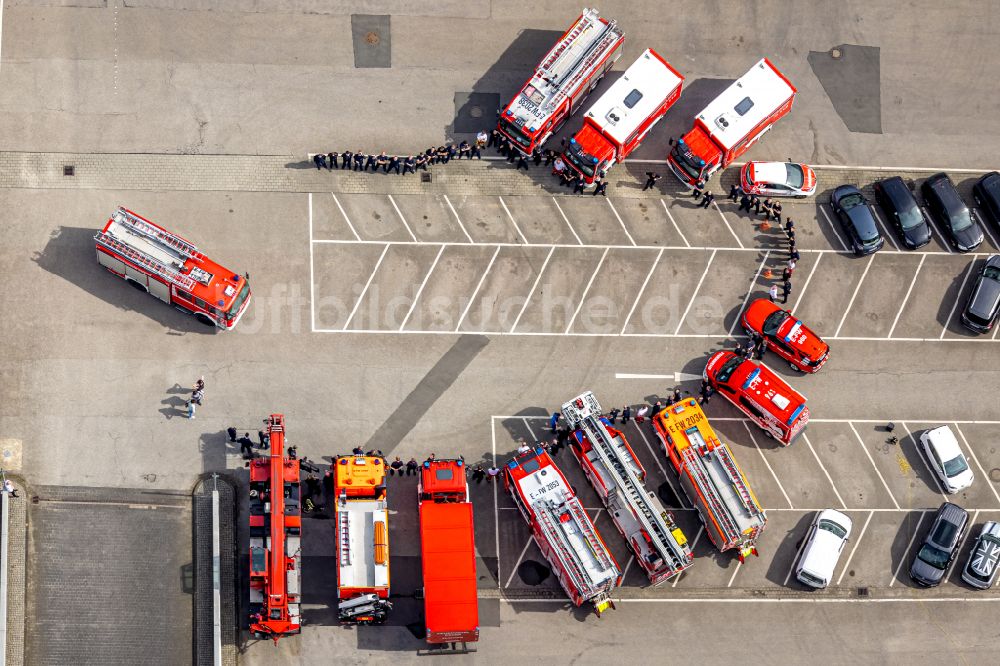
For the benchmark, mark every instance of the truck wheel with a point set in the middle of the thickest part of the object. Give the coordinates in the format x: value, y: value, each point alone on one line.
x: 137, y: 285
x: 769, y: 434
x: 794, y: 367
x: 204, y: 319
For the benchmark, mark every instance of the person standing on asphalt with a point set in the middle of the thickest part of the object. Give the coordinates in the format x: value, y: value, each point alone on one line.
x: 474, y: 151
x: 626, y: 413
x: 331, y: 161
x: 550, y: 157
x: 319, y: 159
x: 698, y: 190
x: 421, y: 162
x: 478, y: 473
x: 482, y: 139
x: 786, y: 289
x: 706, y: 392
x: 772, y: 293
x: 359, y: 161
x: 651, y: 179
x: 789, y: 225
x: 767, y: 210
x: 776, y: 207
x: 613, y: 415
x: 408, y: 165
x: 707, y: 200
x: 755, y: 202
x: 793, y: 254
x: 345, y: 159
x: 601, y: 187
x: 745, y: 202
x: 579, y: 185
x: 734, y: 192
x: 411, y: 466
x: 786, y: 274
x: 492, y: 473
x: 522, y: 161
x: 464, y: 149
x: 554, y: 421
x: 536, y: 156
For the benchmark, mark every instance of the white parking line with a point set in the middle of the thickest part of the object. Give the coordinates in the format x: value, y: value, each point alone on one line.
x: 986, y: 477
x: 531, y: 431
x: 620, y: 221
x: 312, y: 273
x: 513, y: 221
x: 344, y: 214
x: 907, y: 297
x: 533, y: 287
x: 420, y: 289
x: 520, y: 557
x: 934, y: 230
x: 735, y: 571
x: 833, y: 226
x: 723, y: 216
x: 872, y: 461
x: 746, y: 298
x: 919, y: 448
x: 674, y: 222
x: 769, y: 468
x: 361, y: 296
x: 479, y: 285
x: 857, y: 542
x: 400, y: 213
x: 628, y: 565
x: 566, y: 220
x: 694, y: 295
x: 958, y: 296
x: 641, y: 290
x: 656, y: 458
x: 457, y: 218
x: 694, y: 542
x: 871, y: 259
x: 995, y: 331
x: 798, y: 555
x: 986, y: 228
x: 905, y: 556
x: 586, y: 290
x: 809, y: 278
x: 885, y: 227
x: 494, y: 483
x: 819, y: 462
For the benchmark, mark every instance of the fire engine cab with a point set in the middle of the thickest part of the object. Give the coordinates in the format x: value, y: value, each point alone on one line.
x: 163, y: 264
x: 759, y: 393
x: 585, y: 567
x: 732, y: 123
x: 711, y: 478
x: 562, y: 81
x: 618, y: 122
x: 660, y: 546
x: 275, y: 540
x: 362, y: 524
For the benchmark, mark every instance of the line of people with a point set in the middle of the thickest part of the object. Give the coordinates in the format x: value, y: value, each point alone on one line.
x: 360, y: 161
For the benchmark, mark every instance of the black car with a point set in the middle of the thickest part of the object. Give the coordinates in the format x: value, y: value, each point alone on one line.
x: 896, y: 199
x: 983, y: 306
x: 940, y: 545
x: 857, y: 219
x: 986, y: 192
x: 945, y: 203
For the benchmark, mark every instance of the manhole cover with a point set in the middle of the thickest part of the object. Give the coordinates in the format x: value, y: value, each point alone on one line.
x: 373, y: 38
x: 836, y: 53
x: 864, y: 592
x: 476, y: 112
x: 69, y: 170
x: 995, y: 474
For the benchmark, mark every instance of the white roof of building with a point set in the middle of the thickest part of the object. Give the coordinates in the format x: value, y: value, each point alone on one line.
x: 361, y: 570
x: 651, y: 78
x: 765, y: 89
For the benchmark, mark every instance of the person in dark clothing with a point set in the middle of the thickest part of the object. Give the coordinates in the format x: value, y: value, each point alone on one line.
x: 760, y: 347
x: 655, y: 409
x: 550, y: 157
x: 522, y: 162
x: 677, y: 395
x: 767, y: 210
x: 786, y: 274
x: 734, y: 192
x: 786, y: 289
x: 495, y: 137
x: 601, y: 187
x: 359, y: 161
x: 579, y: 185
x: 408, y: 165
x: 231, y: 431
x: 412, y: 466
x: 396, y: 466
x: 393, y: 164
x: 442, y: 155
x: 789, y: 225
x: 263, y: 439
x: 382, y: 161
x: 358, y: 451
x: 626, y: 413
x: 744, y: 204
x: 706, y: 392
x: 512, y: 152
x: 319, y: 159
x: 536, y: 156
x: 246, y: 446
x: 478, y: 474
x: 312, y: 486
x: 503, y: 146
x: 698, y: 190
x: 566, y: 177
x: 328, y: 483
x: 776, y: 208
x: 464, y: 149
x: 707, y: 200
x: 373, y: 161
x: 331, y: 161
x: 793, y: 254
x: 613, y: 415
x: 651, y: 179
x: 421, y: 161
x: 755, y: 202
x: 791, y: 235
x: 738, y: 350
x: 345, y: 159
x: 451, y: 152
x: 474, y: 152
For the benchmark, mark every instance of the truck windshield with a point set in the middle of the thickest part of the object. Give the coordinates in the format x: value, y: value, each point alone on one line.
x: 239, y: 300
x: 514, y: 132
x: 681, y: 159
x: 582, y: 161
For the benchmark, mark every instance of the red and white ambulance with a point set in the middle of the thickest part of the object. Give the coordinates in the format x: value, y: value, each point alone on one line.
x: 618, y: 122
x: 732, y: 122
x: 759, y: 393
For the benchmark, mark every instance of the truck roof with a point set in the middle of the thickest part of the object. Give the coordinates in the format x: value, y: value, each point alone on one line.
x: 448, y: 555
x: 644, y: 86
x: 443, y: 476
x: 358, y: 567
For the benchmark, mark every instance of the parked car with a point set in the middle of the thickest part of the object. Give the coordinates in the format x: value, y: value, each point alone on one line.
x: 778, y: 179
x: 786, y: 336
x: 900, y: 207
x: 981, y: 569
x: 946, y: 459
x: 857, y: 219
x: 822, y: 547
x: 983, y: 307
x: 947, y: 206
x: 940, y: 546
x: 986, y: 192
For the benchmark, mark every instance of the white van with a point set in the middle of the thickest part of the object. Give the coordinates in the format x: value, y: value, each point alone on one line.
x: 822, y: 547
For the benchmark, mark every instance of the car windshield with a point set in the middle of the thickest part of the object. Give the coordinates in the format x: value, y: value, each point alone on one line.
x: 726, y: 371
x: 774, y: 322
x: 794, y: 176
x: 851, y: 200
x: 955, y: 466
x: 961, y: 220
x: 832, y: 527
x: 935, y: 557
x: 908, y: 219
x: 992, y: 273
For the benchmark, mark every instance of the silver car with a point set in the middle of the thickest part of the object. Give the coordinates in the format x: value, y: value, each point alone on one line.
x: 981, y: 569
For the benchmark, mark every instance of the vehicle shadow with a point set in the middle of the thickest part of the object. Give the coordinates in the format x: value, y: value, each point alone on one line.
x: 899, y: 550
x: 949, y: 313
x: 786, y: 554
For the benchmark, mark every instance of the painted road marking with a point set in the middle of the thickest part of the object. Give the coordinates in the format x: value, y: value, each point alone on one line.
x: 674, y: 222
x: 457, y: 218
x: 695, y: 294
x: 513, y: 221
x: 621, y: 222
x: 857, y: 288
x: 907, y: 297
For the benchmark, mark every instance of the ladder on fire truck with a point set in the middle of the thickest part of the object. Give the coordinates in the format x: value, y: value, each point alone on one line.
x: 695, y: 456
x: 546, y: 512
x: 141, y: 227
x: 148, y: 262
x: 345, y: 538
x: 565, y: 65
x: 585, y: 415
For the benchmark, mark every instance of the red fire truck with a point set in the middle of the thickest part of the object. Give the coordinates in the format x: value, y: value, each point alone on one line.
x: 161, y: 263
x: 448, y: 553
x: 562, y: 81
x: 585, y: 567
x: 732, y: 123
x: 759, y: 393
x: 362, y: 540
x: 711, y: 478
x: 618, y: 122
x: 275, y: 540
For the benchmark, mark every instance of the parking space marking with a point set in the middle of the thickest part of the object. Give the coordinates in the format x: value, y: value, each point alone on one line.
x: 746, y: 298
x: 621, y: 222
x: 923, y: 459
x: 857, y: 543
x: 735, y: 571
x: 312, y: 271
x: 694, y: 295
x: 986, y: 228
x: 933, y: 225
x: 628, y: 565
x: 346, y: 219
x: 857, y: 288
x: 905, y: 556
x: 694, y: 544
x: 872, y: 461
x: 798, y: 556
x: 420, y: 289
x: 994, y: 336
x: 457, y: 218
x: 533, y: 287
x: 513, y: 569
x: 479, y: 286
x: 403, y: 219
x: 907, y: 296
x: 819, y: 462
x: 496, y: 506
x: 645, y: 282
x: 583, y: 296
x: 680, y: 496
x: 674, y: 222
x: 809, y: 278
x: 767, y: 464
x: 961, y: 288
x: 566, y: 220
x: 986, y: 477
x: 514, y: 222
x: 840, y: 239
x: 723, y: 216
x: 883, y: 225
x: 364, y: 290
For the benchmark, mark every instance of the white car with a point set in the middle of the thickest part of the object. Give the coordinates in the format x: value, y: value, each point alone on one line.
x: 778, y: 179
x: 946, y: 459
x: 822, y: 547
